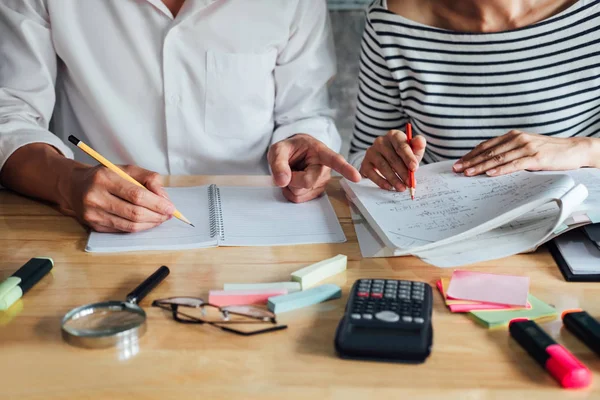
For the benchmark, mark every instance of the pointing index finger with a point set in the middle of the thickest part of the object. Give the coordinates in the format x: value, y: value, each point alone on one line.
x: 336, y: 162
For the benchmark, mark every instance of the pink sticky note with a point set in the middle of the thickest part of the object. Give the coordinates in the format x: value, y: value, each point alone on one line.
x: 242, y: 297
x: 468, y: 306
x: 489, y: 288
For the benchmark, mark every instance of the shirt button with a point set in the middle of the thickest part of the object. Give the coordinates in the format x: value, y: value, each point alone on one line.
x: 174, y: 99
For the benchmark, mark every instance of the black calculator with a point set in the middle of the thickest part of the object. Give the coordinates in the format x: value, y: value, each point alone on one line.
x: 388, y: 320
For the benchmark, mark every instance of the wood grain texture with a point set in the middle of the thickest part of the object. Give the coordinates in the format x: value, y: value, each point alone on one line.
x: 181, y: 362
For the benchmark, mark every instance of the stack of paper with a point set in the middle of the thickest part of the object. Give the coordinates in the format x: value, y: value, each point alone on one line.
x: 491, y: 299
x: 457, y: 220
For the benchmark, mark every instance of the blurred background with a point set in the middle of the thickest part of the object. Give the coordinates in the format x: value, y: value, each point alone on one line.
x: 347, y: 20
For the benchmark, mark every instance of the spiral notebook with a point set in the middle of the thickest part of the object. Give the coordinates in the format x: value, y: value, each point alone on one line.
x: 231, y: 216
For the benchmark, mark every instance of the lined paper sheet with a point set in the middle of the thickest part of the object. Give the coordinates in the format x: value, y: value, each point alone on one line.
x: 450, y: 204
x: 259, y: 216
x: 590, y: 178
x: 171, y: 235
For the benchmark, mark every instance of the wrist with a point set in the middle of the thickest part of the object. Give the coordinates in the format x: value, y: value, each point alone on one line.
x: 67, y: 172
x: 591, y: 148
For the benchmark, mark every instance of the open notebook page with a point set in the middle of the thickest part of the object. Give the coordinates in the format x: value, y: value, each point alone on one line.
x: 171, y: 235
x: 590, y: 178
x: 450, y: 204
x: 261, y: 216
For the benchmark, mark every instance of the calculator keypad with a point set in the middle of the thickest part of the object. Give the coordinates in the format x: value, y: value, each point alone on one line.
x: 389, y: 301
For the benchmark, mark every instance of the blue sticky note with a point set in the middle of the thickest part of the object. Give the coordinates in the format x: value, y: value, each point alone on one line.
x: 308, y: 297
x: 594, y: 216
x: 560, y: 228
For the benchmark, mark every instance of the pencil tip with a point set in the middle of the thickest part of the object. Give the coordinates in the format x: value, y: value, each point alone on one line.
x: 192, y: 225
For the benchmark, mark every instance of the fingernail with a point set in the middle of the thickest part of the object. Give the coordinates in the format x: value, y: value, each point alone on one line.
x: 170, y: 209
x: 458, y: 166
x: 491, y: 172
x: 470, y: 171
x: 399, y: 187
x: 281, y: 177
x: 413, y: 166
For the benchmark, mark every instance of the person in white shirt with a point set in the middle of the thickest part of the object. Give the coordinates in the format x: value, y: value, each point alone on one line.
x: 169, y: 87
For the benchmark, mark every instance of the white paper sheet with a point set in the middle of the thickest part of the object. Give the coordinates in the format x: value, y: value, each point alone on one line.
x: 255, y: 216
x: 451, y: 207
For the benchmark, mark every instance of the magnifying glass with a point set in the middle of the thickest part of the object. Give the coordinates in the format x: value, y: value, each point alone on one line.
x: 111, y: 323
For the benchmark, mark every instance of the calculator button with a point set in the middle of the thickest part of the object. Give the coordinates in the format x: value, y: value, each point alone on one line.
x: 387, y: 316
x: 365, y: 281
x: 355, y: 316
x: 419, y: 320
x: 379, y: 281
x: 363, y: 294
x: 390, y: 296
x: 406, y: 318
x: 377, y: 295
x: 367, y: 316
x: 419, y: 284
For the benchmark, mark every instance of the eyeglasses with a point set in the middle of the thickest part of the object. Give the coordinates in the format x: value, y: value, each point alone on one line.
x: 241, y: 320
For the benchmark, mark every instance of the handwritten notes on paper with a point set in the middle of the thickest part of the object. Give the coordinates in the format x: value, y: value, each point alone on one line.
x: 450, y: 204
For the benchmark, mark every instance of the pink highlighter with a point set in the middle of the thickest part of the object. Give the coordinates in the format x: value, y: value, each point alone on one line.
x: 557, y: 360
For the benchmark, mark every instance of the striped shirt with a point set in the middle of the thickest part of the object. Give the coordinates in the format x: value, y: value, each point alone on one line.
x: 459, y: 89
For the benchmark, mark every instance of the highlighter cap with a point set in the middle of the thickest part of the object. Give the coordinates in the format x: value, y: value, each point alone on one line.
x: 10, y: 291
x: 567, y: 369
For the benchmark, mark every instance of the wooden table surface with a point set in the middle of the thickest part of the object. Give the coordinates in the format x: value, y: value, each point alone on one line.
x: 200, y: 362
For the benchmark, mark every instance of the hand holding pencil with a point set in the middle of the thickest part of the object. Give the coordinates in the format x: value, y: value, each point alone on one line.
x: 392, y: 160
x: 118, y: 199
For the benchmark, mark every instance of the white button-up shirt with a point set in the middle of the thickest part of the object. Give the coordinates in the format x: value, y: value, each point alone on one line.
x: 206, y: 92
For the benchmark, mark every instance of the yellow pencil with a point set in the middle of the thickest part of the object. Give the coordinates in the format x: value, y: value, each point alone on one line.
x: 96, y: 156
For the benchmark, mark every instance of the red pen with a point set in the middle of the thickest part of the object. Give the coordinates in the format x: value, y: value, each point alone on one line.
x: 411, y: 175
x: 557, y: 360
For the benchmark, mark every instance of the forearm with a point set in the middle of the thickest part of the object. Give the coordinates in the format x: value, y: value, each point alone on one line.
x: 39, y: 170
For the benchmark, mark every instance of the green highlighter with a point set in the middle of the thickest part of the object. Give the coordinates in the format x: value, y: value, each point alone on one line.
x: 499, y: 318
x: 16, y: 285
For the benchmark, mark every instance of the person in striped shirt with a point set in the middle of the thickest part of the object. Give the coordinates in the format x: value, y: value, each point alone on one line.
x: 498, y: 85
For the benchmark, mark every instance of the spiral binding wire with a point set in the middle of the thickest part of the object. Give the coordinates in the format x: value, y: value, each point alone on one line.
x: 216, y: 214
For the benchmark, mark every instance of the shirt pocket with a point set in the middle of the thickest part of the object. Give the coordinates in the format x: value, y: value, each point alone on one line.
x: 240, y: 94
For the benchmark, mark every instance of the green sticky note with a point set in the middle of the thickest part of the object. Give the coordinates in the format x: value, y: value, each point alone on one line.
x: 498, y: 318
x: 561, y: 228
x: 594, y: 216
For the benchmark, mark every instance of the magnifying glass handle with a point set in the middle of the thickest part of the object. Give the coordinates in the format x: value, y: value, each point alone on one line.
x: 150, y: 283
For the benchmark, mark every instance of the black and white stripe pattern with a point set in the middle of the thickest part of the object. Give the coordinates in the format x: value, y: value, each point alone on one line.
x: 459, y: 89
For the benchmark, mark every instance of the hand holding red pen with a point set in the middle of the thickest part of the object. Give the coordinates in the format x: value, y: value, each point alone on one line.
x: 388, y: 161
